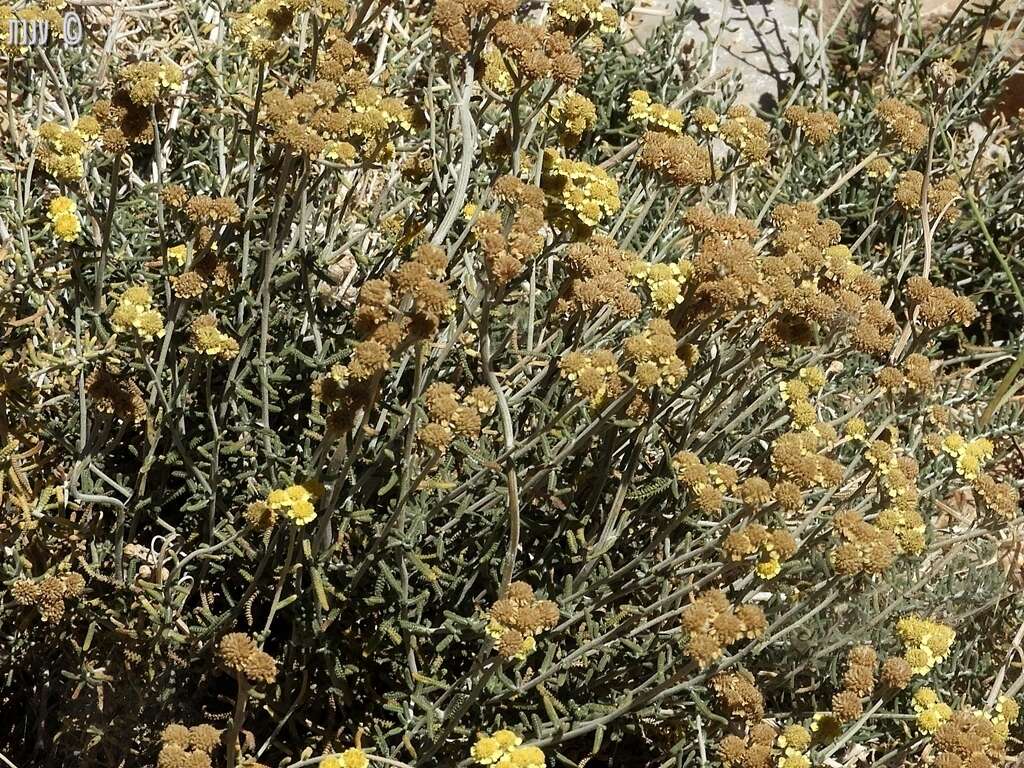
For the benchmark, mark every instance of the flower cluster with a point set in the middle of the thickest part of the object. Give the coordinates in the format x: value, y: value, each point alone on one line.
x: 115, y: 395
x: 147, y: 81
x: 740, y: 698
x: 665, y: 281
x: 586, y: 15
x: 707, y: 483
x: 712, y: 623
x: 652, y: 114
x: 48, y: 594
x: 595, y: 375
x: 942, y: 194
x: 391, y: 315
x: 794, y: 741
x: 135, y: 313
x: 239, y: 653
x: 900, y: 516
x: 599, y: 275
x: 858, y: 682
x: 340, y: 116
x: 263, y: 25
x: 61, y: 149
x: 654, y: 354
x: 63, y: 216
x: 970, y: 738
x: 769, y: 547
x: 353, y: 757
x: 517, y: 619
x: 679, y: 160
x: 585, y: 191
x: 574, y: 114
x: 508, y: 249
x: 925, y: 642
x: 796, y: 394
x: 755, y: 750
x: 295, y: 502
x: 452, y: 416
x: 505, y: 749
x: 878, y: 169
x: 903, y: 124
x: 970, y: 455
x: 916, y: 378
x: 209, y: 340
x: 184, y: 746
x: 818, y: 127
x: 746, y: 133
x: 799, y: 457
x: 931, y: 712
x: 533, y: 52
x: 865, y: 548
x: 938, y: 306
x: 496, y: 75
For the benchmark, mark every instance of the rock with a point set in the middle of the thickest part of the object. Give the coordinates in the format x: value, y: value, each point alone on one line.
x: 761, y: 43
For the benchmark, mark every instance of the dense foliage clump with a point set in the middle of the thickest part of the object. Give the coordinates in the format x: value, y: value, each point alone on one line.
x: 469, y: 384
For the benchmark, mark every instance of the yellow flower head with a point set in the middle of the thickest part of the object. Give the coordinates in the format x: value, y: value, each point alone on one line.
x: 66, y: 227
x: 769, y: 569
x: 61, y: 206
x: 795, y: 737
x: 508, y: 739
x: 279, y: 499
x: 354, y: 758
x: 925, y: 698
x: 487, y: 750
x: 177, y: 254
x: 929, y: 720
x: 813, y: 377
x: 297, y: 493
x: 134, y: 312
x: 856, y: 429
x: 301, y: 512
x: 954, y: 444
x: 1007, y: 709
x: 920, y: 659
x: 526, y: 757
x: 794, y: 390
x: 63, y: 215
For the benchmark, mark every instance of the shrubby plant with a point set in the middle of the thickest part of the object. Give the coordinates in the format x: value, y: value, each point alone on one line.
x: 442, y: 384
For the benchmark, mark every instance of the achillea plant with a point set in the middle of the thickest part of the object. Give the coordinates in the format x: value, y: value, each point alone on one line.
x: 445, y: 384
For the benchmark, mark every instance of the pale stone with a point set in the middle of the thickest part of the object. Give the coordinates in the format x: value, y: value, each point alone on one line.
x: 759, y: 42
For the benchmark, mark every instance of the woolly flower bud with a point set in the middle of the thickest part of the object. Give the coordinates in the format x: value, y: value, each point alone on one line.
x: 863, y: 655
x: 896, y: 673
x: 204, y: 737
x: 260, y: 667
x: 175, y: 733
x: 173, y: 756
x: 731, y: 750
x: 859, y: 679
x: 436, y: 437
x: 235, y: 648
x: 847, y: 706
